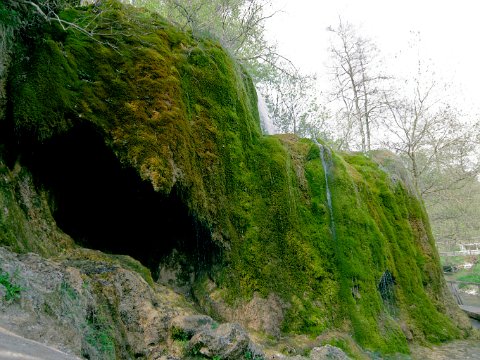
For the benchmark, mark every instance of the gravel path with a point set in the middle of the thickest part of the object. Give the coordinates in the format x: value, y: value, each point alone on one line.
x: 13, y: 347
x: 457, y: 350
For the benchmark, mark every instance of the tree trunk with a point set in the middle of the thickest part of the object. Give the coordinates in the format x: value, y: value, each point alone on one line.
x: 365, y: 107
x: 357, y: 105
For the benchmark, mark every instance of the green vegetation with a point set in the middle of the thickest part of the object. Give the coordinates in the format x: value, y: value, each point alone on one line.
x: 454, y: 212
x: 470, y: 278
x: 12, y: 290
x: 183, y: 114
x: 26, y: 224
x: 180, y: 335
x: 250, y: 356
x: 68, y: 291
x: 99, y: 335
x: 129, y: 263
x: 469, y: 275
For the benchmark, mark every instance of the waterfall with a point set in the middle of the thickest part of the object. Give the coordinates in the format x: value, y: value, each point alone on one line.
x: 266, y: 122
x: 327, y: 164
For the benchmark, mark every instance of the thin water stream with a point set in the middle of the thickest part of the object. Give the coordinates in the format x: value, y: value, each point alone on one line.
x: 266, y: 122
x: 269, y: 128
x: 327, y: 164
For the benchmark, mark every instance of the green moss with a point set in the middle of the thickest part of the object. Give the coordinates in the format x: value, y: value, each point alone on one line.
x: 26, y: 224
x: 183, y: 114
x: 402, y: 243
x: 50, y: 74
x: 78, y: 255
x: 99, y: 334
x: 131, y: 264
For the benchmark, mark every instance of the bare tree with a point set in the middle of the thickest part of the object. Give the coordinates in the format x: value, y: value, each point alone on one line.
x: 454, y: 213
x: 29, y: 16
x: 431, y: 135
x: 357, y: 82
x: 237, y: 24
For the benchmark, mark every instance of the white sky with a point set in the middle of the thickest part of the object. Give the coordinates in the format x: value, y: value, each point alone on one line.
x: 449, y: 33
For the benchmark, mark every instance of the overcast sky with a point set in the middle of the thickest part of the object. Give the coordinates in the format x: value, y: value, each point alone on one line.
x: 449, y: 31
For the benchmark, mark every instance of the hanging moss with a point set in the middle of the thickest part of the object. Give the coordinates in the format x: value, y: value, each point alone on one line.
x: 183, y: 115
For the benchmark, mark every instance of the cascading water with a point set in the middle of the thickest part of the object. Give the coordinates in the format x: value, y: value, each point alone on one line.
x: 326, y: 168
x: 266, y: 121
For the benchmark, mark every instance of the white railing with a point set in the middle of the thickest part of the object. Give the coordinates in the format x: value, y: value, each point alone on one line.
x: 460, y: 253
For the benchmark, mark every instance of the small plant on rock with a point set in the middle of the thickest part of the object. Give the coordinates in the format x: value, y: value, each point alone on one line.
x: 12, y: 290
x: 249, y: 355
x: 99, y: 333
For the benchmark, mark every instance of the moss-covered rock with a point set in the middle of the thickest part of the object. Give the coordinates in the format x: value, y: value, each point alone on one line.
x: 26, y: 222
x: 182, y: 114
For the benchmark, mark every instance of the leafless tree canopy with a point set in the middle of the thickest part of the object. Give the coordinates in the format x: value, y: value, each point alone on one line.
x: 357, y: 83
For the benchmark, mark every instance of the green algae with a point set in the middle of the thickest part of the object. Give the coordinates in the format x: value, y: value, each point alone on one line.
x: 183, y: 114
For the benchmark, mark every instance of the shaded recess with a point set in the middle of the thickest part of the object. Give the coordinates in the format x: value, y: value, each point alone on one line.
x: 105, y: 206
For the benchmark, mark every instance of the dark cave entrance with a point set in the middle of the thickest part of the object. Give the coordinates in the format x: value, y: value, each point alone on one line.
x: 107, y: 207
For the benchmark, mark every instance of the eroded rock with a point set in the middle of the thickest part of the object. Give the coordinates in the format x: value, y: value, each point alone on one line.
x: 259, y: 314
x: 187, y: 326
x: 328, y: 352
x: 227, y: 341
x: 89, y: 308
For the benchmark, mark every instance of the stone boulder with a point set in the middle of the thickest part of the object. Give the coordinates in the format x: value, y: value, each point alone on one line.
x: 328, y: 352
x: 227, y: 341
x: 184, y: 327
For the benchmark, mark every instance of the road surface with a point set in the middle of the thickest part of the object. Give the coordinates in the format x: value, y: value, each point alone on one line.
x: 14, y: 347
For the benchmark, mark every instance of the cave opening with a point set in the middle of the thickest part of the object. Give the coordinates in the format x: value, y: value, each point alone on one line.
x: 105, y: 206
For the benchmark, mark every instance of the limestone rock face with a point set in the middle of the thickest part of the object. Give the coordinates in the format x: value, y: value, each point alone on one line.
x: 259, y: 314
x: 87, y: 304
x: 51, y: 309
x: 187, y: 326
x: 208, y: 338
x: 26, y: 221
x: 228, y: 341
x: 327, y: 352
x: 88, y: 307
